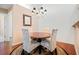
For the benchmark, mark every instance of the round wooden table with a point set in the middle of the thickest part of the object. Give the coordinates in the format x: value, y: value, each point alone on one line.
x: 39, y: 36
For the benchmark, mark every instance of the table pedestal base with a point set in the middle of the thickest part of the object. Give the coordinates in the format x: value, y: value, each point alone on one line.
x: 25, y: 52
x: 40, y: 50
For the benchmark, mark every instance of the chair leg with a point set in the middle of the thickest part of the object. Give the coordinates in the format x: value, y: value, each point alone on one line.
x: 25, y: 53
x: 54, y: 52
x: 35, y: 50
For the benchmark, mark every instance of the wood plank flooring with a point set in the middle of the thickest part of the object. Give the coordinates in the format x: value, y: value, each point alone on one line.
x: 69, y: 48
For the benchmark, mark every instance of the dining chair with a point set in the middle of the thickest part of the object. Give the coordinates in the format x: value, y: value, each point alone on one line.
x: 53, y: 40
x: 50, y: 43
x: 28, y: 46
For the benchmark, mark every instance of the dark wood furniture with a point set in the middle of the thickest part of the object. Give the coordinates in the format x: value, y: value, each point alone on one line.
x: 76, y: 24
x: 39, y: 36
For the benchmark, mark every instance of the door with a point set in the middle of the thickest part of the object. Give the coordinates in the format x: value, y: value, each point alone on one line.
x: 1, y: 27
x: 5, y: 32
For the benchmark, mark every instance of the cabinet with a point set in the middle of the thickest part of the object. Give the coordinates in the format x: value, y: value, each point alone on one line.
x: 76, y: 27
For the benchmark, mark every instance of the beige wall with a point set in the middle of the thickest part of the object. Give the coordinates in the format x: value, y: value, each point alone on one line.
x: 17, y: 18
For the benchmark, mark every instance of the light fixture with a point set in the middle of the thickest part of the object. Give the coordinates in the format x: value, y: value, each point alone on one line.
x: 40, y: 11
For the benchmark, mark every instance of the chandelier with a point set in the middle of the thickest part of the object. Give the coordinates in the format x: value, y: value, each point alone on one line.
x: 40, y: 11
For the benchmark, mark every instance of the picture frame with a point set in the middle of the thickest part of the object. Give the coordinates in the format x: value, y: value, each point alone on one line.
x: 27, y: 20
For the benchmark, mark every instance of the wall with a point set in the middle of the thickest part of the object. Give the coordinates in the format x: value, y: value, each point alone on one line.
x: 61, y: 17
x: 17, y: 19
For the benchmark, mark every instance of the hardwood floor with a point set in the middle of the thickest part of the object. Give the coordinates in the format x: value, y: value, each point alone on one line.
x: 69, y: 48
x: 5, y: 48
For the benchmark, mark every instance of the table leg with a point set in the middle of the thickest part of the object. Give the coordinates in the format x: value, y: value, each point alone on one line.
x: 39, y: 48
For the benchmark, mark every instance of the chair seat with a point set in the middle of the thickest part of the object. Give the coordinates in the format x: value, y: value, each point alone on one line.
x: 48, y: 44
x: 34, y: 45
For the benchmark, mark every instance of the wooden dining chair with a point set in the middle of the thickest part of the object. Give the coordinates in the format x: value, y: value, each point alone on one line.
x: 28, y: 46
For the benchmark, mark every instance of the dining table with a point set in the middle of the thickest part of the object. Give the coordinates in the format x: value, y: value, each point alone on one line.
x: 40, y: 36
